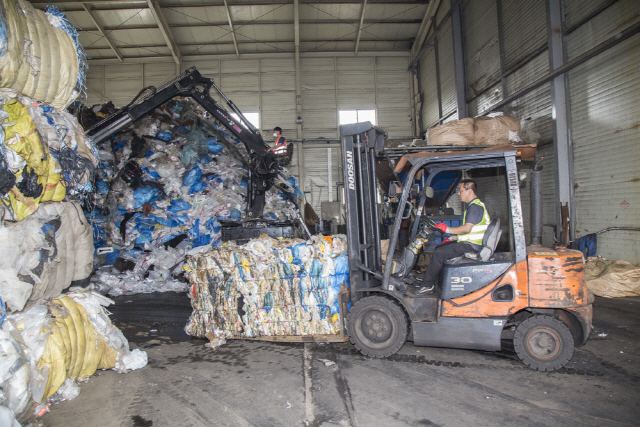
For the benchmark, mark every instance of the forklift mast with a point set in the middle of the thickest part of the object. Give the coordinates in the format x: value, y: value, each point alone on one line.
x: 263, y: 165
x: 360, y: 142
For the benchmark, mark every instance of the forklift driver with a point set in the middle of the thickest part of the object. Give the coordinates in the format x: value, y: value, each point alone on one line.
x: 465, y: 238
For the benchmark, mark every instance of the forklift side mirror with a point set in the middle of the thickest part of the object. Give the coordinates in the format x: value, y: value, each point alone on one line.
x: 429, y: 192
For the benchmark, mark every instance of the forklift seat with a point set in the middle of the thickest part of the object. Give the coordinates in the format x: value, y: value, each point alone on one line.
x: 489, y: 244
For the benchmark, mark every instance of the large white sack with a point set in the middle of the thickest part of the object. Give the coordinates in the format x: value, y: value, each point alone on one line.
x: 613, y: 279
x: 37, y: 59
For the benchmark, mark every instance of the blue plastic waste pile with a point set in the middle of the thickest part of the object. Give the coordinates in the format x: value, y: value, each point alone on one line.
x: 165, y: 185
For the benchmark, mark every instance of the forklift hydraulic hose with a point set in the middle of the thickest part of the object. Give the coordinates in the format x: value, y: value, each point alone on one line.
x: 488, y: 292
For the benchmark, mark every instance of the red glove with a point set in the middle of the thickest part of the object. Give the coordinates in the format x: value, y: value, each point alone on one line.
x: 446, y: 241
x: 442, y: 227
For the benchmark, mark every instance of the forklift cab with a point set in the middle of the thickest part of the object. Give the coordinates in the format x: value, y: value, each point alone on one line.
x: 533, y: 296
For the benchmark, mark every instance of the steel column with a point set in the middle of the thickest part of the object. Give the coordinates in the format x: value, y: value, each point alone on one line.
x: 438, y: 85
x: 563, y: 148
x: 503, y: 62
x: 458, y: 58
x: 296, y: 30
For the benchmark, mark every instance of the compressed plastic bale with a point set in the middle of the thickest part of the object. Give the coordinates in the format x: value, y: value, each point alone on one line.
x: 45, y: 75
x: 94, y: 346
x: 67, y: 330
x: 21, y: 136
x: 14, y: 369
x: 54, y: 358
x: 31, y: 62
x: 40, y: 61
x: 69, y: 70
x: 66, y: 339
x: 79, y: 351
x: 12, y: 45
x: 15, y: 293
x: 8, y: 418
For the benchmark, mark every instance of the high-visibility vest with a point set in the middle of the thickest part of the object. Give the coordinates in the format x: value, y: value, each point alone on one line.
x: 280, y: 148
x: 477, y: 231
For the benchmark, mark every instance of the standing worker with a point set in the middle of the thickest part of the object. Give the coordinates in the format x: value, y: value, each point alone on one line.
x: 280, y: 146
x: 465, y: 238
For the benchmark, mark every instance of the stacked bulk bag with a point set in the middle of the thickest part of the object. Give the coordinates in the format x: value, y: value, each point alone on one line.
x: 46, y: 348
x: 40, y: 56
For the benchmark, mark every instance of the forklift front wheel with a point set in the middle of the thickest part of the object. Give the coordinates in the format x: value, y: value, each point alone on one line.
x: 377, y: 326
x: 543, y: 343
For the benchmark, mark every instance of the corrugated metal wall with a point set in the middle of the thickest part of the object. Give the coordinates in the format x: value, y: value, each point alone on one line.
x: 605, y: 108
x: 268, y: 86
x: 605, y: 111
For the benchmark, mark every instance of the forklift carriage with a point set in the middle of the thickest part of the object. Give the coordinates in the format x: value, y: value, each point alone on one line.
x: 534, y: 296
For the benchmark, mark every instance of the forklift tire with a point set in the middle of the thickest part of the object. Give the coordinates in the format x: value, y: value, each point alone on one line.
x: 543, y: 343
x: 377, y: 326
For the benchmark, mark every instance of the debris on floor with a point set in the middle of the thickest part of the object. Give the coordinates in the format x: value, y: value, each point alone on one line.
x: 268, y: 287
x: 612, y: 279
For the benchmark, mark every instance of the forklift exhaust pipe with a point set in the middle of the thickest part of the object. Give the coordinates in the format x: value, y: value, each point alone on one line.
x: 536, y: 203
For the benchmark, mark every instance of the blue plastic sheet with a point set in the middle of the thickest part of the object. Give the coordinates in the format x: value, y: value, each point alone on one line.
x: 179, y: 205
x: 191, y: 177
x: 214, y: 146
x: 103, y: 187
x: 197, y: 187
x: 144, y: 195
x: 164, y: 135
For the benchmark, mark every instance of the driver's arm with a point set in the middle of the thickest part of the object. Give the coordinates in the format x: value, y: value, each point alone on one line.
x: 462, y: 229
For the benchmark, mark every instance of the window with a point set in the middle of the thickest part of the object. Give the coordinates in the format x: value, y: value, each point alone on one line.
x: 254, y: 118
x: 357, y: 116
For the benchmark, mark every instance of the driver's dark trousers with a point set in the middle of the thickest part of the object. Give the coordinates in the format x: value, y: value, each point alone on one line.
x: 442, y: 253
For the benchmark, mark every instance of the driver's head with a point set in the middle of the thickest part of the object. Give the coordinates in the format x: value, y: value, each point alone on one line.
x: 277, y: 131
x: 467, y: 190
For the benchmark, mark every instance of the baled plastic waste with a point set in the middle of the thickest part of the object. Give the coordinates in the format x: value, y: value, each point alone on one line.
x: 267, y: 287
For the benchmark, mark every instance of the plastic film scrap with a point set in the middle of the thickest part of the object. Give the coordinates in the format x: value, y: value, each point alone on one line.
x: 268, y: 287
x: 50, y: 346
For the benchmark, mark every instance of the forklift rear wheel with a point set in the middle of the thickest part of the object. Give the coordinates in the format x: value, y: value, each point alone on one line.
x: 377, y: 326
x: 543, y: 343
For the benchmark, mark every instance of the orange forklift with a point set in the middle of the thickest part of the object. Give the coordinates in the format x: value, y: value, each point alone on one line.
x: 532, y: 295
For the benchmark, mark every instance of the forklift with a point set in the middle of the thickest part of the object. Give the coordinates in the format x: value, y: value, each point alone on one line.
x: 534, y: 296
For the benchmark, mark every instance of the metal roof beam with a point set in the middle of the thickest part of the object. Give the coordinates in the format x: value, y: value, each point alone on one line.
x: 217, y: 3
x: 218, y: 43
x: 246, y: 23
x: 99, y: 27
x: 164, y: 29
x: 364, y: 5
x: 427, y: 21
x: 233, y: 33
x: 291, y: 54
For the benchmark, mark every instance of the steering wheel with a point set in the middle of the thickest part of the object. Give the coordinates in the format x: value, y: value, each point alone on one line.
x: 430, y: 223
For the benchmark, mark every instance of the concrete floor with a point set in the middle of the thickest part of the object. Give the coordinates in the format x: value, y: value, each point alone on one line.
x: 263, y: 384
